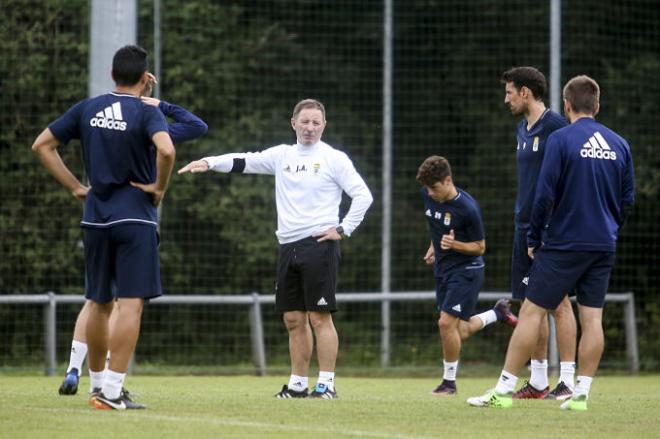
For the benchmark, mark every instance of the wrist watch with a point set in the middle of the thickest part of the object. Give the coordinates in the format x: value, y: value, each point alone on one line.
x: 340, y: 230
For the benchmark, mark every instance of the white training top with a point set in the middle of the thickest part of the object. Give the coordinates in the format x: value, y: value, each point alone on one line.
x: 308, y: 185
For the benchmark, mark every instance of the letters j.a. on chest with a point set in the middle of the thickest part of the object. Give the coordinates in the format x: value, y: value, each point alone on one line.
x: 307, y: 171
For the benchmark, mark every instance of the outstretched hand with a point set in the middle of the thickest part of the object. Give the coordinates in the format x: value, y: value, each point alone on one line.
x: 194, y: 167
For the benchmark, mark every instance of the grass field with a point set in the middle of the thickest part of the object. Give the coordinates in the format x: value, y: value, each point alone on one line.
x: 221, y: 407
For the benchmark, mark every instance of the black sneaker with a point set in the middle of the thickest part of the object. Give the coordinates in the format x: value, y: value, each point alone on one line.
x: 322, y: 391
x: 70, y: 384
x: 286, y: 393
x: 124, y: 402
x: 560, y: 393
x: 503, y: 312
x: 446, y: 388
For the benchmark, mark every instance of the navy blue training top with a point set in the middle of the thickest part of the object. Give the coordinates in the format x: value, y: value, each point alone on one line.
x: 186, y: 126
x: 116, y: 132
x: 529, y: 155
x: 586, y: 184
x: 461, y: 214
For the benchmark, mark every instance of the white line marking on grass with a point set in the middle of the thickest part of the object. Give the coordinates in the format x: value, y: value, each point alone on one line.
x: 238, y: 423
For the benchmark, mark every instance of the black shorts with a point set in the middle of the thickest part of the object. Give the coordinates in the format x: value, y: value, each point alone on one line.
x: 554, y: 272
x: 457, y: 293
x: 121, y: 262
x: 521, y: 264
x: 307, y: 276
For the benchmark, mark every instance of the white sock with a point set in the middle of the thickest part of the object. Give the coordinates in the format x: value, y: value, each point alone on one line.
x: 451, y: 367
x: 78, y: 354
x: 112, y: 384
x: 539, y: 378
x: 583, y: 385
x: 95, y: 380
x: 297, y: 383
x: 487, y: 318
x: 567, y: 373
x: 327, y: 378
x: 506, y: 383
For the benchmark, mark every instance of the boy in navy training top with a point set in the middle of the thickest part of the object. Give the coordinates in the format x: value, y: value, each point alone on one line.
x: 584, y: 193
x: 185, y: 126
x: 457, y: 244
x: 128, y: 156
x: 525, y: 90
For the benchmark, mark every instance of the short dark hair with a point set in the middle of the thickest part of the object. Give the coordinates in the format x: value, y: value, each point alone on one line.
x: 583, y: 93
x: 529, y: 77
x: 129, y: 64
x: 308, y: 103
x: 434, y: 169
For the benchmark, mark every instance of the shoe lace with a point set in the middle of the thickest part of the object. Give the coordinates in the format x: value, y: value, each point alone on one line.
x: 125, y: 394
x: 527, y: 389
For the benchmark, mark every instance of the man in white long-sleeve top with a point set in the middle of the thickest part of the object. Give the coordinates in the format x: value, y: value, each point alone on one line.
x: 309, y: 179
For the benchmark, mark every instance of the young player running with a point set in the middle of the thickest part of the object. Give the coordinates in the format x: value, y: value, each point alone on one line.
x: 457, y: 246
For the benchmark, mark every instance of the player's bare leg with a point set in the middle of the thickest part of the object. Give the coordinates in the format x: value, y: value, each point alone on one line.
x: 591, y: 341
x: 589, y: 353
x: 121, y: 341
x: 301, y: 344
x: 327, y: 341
x: 524, y: 338
x: 327, y: 346
x: 522, y: 344
x: 452, y: 331
x: 124, y: 332
x: 450, y: 336
x: 97, y: 333
x: 538, y: 386
x: 469, y: 328
x: 300, y: 341
x: 80, y: 330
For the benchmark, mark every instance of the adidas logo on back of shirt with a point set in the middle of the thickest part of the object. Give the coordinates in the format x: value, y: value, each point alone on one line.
x: 110, y: 118
x: 597, y: 148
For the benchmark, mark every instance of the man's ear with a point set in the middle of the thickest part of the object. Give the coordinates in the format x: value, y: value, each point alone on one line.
x: 525, y: 92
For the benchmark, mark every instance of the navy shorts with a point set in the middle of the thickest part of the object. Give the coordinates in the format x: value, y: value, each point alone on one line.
x: 307, y: 275
x: 457, y: 293
x: 121, y: 262
x: 520, y: 264
x: 555, y: 272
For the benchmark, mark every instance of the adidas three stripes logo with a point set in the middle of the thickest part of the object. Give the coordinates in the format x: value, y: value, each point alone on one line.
x: 110, y: 118
x: 597, y: 148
